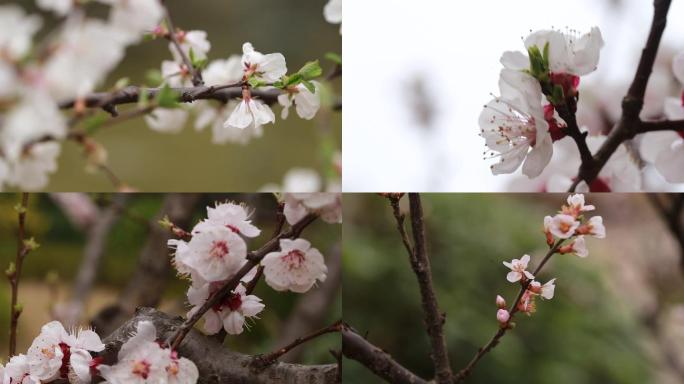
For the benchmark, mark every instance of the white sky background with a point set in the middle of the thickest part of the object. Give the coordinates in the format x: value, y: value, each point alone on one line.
x: 455, y: 46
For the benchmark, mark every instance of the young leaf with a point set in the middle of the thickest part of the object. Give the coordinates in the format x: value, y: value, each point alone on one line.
x: 334, y: 57
x: 309, y: 85
x: 93, y: 123
x: 311, y: 70
x: 167, y: 97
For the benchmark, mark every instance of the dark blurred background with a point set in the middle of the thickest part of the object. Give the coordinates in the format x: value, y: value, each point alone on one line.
x: 156, y: 162
x: 47, y: 287
x: 617, y: 316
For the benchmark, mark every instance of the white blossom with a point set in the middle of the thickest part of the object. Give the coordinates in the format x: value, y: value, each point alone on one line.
x: 17, y: 371
x: 45, y: 356
x: 167, y: 120
x: 215, y: 254
x: 296, y: 267
x: 233, y: 216
x: 175, y: 74
x: 230, y: 314
x: 561, y: 225
x: 59, y: 7
x: 133, y: 18
x: 215, y: 117
x: 327, y: 205
x: 223, y: 72
x: 142, y: 360
x: 269, y: 68
x: 30, y: 171
x: 518, y: 269
x: 191, y: 40
x: 569, y: 53
x: 82, y: 59
x: 250, y: 112
x: 514, y: 126
x: 16, y: 31
x: 306, y: 103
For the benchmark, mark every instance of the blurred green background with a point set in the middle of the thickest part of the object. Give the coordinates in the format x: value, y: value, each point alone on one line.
x: 156, y: 162
x: 603, y: 326
x: 61, y: 251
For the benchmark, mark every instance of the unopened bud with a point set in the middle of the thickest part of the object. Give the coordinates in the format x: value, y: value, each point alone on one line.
x: 502, y: 316
x: 500, y: 302
x: 31, y: 244
x: 11, y: 270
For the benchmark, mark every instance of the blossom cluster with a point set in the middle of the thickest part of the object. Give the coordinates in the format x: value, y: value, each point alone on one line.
x: 216, y: 250
x: 565, y: 233
x: 72, y: 62
x: 56, y: 354
x: 520, y: 126
x: 68, y: 65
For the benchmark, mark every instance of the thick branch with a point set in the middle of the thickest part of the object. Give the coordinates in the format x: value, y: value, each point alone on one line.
x: 215, y: 362
x: 633, y: 102
x: 434, y: 318
x: 355, y: 347
x: 665, y: 125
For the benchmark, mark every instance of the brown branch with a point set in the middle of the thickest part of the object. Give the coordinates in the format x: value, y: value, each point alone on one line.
x: 434, y: 318
x: 355, y: 347
x: 215, y: 362
x: 14, y: 274
x: 265, y: 360
x: 665, y: 125
x: 670, y: 207
x: 630, y: 124
x: 494, y: 341
x: 131, y: 94
x: 253, y: 258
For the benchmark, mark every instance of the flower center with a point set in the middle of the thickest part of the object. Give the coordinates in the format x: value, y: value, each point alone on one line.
x: 564, y: 226
x: 172, y: 369
x: 219, y: 249
x: 234, y: 302
x: 294, y: 259
x: 141, y: 368
x: 66, y: 356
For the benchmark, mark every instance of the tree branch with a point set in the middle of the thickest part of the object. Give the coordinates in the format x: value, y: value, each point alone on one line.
x: 268, y: 359
x: 494, y: 341
x: 355, y: 347
x: 434, y: 318
x: 253, y: 258
x: 630, y: 123
x: 665, y: 125
x: 131, y: 94
x: 14, y: 273
x: 215, y: 362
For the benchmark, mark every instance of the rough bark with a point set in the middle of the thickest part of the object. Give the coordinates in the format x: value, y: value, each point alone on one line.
x: 216, y: 363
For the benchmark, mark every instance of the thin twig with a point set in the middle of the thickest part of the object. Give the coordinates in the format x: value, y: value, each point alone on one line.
x: 14, y: 274
x: 630, y: 124
x: 194, y: 72
x: 268, y: 359
x: 253, y: 258
x: 467, y: 370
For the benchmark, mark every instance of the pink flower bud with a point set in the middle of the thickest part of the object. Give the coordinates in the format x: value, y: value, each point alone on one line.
x: 500, y: 302
x: 502, y: 316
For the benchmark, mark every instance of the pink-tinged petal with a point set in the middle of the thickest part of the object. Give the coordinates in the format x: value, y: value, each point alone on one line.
x: 212, y: 322
x: 670, y: 162
x: 678, y: 67
x: 513, y: 276
x: 233, y: 323
x: 515, y: 60
x: 538, y: 158
x: 240, y: 118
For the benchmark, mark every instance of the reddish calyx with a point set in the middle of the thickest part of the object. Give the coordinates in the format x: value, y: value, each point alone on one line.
x: 568, y: 82
x: 556, y: 129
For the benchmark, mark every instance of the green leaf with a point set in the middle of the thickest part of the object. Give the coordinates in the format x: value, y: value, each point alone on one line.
x: 255, y: 82
x: 294, y: 80
x: 122, y: 83
x: 143, y: 99
x: 545, y: 56
x: 93, y: 123
x: 311, y: 70
x: 167, y: 97
x: 154, y: 77
x: 334, y: 57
